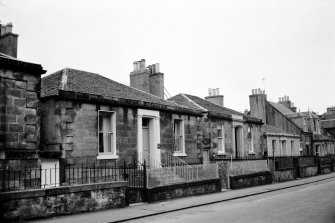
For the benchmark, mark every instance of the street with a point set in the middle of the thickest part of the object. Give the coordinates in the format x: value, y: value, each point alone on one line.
x: 311, y: 203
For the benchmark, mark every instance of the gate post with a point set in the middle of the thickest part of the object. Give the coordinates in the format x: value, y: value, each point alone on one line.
x: 124, y: 170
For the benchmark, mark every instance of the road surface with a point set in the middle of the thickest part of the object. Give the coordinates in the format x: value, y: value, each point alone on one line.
x: 311, y: 203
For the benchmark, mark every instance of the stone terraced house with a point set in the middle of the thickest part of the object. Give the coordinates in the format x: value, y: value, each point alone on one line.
x: 88, y: 118
x: 283, y: 126
x: 225, y: 132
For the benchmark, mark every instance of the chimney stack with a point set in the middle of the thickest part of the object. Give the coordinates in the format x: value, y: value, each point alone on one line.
x: 257, y: 101
x: 8, y: 40
x: 215, y: 97
x: 148, y: 79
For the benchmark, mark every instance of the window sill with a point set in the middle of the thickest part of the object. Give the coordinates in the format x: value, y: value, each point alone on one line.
x: 252, y: 153
x: 220, y: 153
x: 179, y: 154
x: 107, y: 156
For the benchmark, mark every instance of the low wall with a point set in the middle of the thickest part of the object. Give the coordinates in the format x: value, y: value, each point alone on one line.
x: 40, y: 203
x: 325, y: 169
x: 135, y: 195
x: 250, y: 180
x: 307, y: 171
x: 284, y: 175
x: 183, y: 190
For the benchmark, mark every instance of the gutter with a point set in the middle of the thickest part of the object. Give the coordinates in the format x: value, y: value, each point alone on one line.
x: 85, y: 97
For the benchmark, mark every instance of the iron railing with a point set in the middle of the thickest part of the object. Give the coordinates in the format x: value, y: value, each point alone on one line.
x: 34, y: 178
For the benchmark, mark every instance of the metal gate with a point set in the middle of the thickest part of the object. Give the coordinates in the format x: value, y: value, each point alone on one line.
x: 135, y: 173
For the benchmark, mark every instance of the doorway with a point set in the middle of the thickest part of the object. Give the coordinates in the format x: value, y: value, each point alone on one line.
x: 148, y: 137
x: 238, y: 141
x: 146, y: 140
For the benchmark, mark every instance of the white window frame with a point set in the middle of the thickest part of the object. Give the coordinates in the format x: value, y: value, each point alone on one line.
x: 251, y: 141
x: 283, y: 147
x: 222, y: 138
x: 292, y: 147
x: 113, y: 153
x: 182, y: 131
x: 273, y: 145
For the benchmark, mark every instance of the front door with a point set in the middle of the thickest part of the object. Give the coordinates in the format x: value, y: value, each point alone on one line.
x: 146, y: 140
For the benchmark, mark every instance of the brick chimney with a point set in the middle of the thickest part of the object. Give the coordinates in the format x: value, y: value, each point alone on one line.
x: 257, y: 104
x: 215, y: 97
x: 8, y: 40
x: 148, y: 79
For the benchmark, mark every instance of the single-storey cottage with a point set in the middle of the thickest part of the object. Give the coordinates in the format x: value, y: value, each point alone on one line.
x: 88, y: 118
x: 225, y: 132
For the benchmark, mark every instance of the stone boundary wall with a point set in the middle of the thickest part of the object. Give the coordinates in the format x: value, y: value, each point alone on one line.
x: 41, y: 203
x: 183, y: 190
x: 284, y: 175
x: 250, y: 180
x: 325, y: 169
x: 307, y: 171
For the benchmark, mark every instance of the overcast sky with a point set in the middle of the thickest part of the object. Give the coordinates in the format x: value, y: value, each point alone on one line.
x: 229, y: 45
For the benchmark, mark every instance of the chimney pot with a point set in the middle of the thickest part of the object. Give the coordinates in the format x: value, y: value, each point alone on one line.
x: 217, y: 91
x: 9, y: 27
x: 157, y: 67
x: 209, y: 92
x: 142, y: 64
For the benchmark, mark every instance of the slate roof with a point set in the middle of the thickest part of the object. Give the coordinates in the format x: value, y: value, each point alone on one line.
x: 270, y: 129
x: 95, y: 84
x: 194, y: 102
x: 282, y: 108
x: 181, y: 99
x: 213, y: 107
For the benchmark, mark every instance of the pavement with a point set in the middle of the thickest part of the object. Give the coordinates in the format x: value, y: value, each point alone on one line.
x: 141, y: 210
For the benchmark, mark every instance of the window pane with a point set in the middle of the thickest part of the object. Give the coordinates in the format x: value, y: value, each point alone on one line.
x: 108, y: 142
x: 178, y: 143
x: 107, y: 123
x: 220, y: 142
x: 178, y: 136
x: 101, y: 142
x: 100, y: 121
x: 219, y: 133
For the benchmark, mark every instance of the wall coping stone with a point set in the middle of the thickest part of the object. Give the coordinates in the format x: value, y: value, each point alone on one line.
x: 184, y: 184
x: 251, y: 174
x: 12, y: 195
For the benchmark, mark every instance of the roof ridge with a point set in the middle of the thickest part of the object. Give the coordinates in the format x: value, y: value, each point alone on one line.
x: 218, y: 105
x: 190, y: 100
